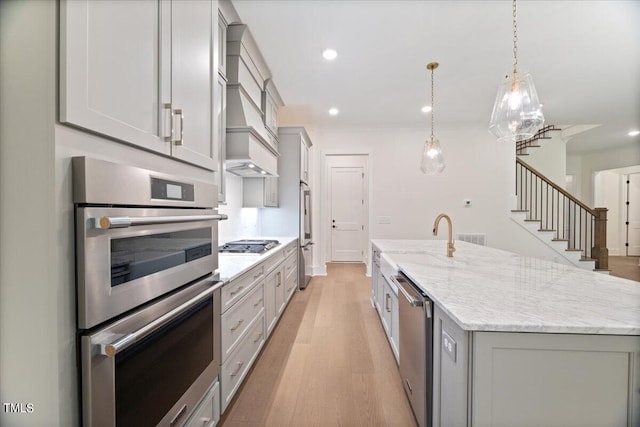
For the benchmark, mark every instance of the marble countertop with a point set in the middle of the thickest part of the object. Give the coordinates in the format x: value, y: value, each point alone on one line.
x: 230, y: 266
x: 486, y: 289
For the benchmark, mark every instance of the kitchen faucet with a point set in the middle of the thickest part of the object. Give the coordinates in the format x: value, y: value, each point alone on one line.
x: 450, y: 247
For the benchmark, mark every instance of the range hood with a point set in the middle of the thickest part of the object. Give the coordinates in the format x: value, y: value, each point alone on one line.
x: 250, y: 152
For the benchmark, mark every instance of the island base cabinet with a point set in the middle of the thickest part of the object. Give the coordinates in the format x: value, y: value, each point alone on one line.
x: 526, y: 379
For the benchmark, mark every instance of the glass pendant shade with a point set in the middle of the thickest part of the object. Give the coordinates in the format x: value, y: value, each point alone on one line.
x: 432, y: 158
x: 517, y: 114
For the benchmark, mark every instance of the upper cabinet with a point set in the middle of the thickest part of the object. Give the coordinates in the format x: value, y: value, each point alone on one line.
x: 297, y: 140
x: 142, y: 72
x: 271, y: 103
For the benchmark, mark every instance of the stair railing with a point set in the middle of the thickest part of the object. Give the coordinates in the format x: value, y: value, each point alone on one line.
x: 583, y: 228
x: 533, y: 141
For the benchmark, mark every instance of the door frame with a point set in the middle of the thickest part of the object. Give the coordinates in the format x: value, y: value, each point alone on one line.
x: 325, y: 232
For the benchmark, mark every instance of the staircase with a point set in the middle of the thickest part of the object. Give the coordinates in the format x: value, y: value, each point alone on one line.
x: 546, y: 210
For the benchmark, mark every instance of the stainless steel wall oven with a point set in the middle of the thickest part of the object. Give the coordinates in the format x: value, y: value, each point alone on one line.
x: 147, y: 296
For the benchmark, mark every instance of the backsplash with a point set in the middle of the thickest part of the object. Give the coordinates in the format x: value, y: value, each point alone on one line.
x: 242, y: 222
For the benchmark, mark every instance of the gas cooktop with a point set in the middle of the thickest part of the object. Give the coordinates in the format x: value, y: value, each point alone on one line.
x: 248, y: 246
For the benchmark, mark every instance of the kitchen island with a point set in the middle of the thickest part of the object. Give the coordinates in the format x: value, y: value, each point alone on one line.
x: 520, y: 341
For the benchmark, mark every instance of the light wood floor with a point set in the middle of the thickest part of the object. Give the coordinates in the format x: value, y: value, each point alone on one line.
x: 625, y: 266
x: 327, y: 363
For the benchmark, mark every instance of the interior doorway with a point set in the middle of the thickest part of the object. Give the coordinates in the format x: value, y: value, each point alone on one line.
x: 347, y: 207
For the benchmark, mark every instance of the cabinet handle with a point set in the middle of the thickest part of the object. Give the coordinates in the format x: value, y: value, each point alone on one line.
x: 237, y: 370
x: 232, y: 293
x: 178, y: 112
x: 279, y: 279
x: 257, y: 302
x: 257, y: 338
x: 237, y: 325
x: 257, y: 275
x: 205, y: 421
x: 386, y: 302
x: 168, y: 122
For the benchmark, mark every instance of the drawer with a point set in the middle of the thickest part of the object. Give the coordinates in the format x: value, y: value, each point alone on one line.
x: 208, y: 413
x: 236, y: 367
x: 291, y: 248
x: 238, y: 319
x: 273, y: 261
x: 291, y: 284
x: 234, y: 290
x: 290, y: 265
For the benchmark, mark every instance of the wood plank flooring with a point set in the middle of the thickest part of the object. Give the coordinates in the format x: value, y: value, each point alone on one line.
x: 627, y: 267
x: 327, y: 363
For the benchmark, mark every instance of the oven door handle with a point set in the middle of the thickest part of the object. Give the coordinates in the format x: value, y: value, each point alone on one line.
x: 108, y: 222
x: 113, y: 348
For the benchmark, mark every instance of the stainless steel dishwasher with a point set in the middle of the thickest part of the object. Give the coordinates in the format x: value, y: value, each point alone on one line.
x: 416, y: 348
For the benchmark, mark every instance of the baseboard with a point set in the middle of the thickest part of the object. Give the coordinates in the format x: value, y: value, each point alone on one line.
x: 319, y: 270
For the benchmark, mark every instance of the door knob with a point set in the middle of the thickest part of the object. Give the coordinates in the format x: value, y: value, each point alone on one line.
x: 333, y: 226
x: 333, y: 220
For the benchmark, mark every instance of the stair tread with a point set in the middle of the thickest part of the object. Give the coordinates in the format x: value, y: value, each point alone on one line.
x: 560, y: 240
x: 573, y: 250
x: 522, y: 154
x: 532, y: 220
x: 518, y: 210
x: 546, y: 229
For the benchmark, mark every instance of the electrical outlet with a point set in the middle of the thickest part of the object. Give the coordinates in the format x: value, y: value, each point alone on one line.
x: 449, y: 345
x: 384, y: 220
x: 467, y: 202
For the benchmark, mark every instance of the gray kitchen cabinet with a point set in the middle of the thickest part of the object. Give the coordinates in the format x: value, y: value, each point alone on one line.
x: 220, y: 130
x: 375, y: 270
x: 273, y: 286
x: 260, y: 192
x: 271, y: 103
x: 524, y: 379
x: 305, y: 145
x: 141, y: 72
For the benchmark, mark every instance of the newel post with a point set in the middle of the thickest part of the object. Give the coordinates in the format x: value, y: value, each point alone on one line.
x: 599, y: 250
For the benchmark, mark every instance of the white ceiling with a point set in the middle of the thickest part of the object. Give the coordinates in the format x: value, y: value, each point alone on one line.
x: 584, y: 57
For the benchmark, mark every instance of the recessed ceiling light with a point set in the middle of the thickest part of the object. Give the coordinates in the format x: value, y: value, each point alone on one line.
x: 251, y: 165
x: 329, y: 54
x: 634, y: 133
x: 426, y: 109
x: 263, y: 172
x: 334, y: 111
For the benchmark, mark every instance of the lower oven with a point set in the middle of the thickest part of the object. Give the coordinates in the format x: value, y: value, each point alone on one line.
x: 153, y: 366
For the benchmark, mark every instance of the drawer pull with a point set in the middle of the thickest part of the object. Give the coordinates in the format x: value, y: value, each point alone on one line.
x: 257, y: 302
x: 233, y: 374
x: 205, y: 421
x: 258, y: 338
x: 237, y: 325
x: 232, y: 293
x: 255, y: 276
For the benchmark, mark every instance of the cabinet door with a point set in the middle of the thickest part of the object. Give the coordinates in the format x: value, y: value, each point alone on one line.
x: 271, y: 192
x: 374, y: 281
x: 222, y: 44
x: 386, y: 307
x: 110, y: 70
x: 281, y: 298
x: 220, y: 132
x: 192, y: 84
x: 270, y: 287
x: 395, y: 329
x: 304, y: 161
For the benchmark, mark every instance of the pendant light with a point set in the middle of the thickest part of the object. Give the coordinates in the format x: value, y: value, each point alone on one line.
x: 432, y: 159
x: 517, y: 113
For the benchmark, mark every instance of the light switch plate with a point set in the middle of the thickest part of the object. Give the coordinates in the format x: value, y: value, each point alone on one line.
x: 384, y: 220
x: 449, y: 345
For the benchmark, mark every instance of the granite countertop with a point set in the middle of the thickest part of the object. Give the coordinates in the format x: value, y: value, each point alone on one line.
x: 486, y: 289
x: 230, y: 265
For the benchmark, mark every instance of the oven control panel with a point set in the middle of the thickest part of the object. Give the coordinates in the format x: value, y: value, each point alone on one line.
x: 171, y: 190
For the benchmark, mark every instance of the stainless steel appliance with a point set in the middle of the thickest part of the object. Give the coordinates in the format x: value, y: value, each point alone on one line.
x: 147, y: 295
x: 248, y: 246
x: 139, y: 235
x: 306, y: 249
x: 416, y: 348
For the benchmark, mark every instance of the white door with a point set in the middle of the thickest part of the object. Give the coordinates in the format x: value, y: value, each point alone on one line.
x: 346, y: 213
x: 633, y: 212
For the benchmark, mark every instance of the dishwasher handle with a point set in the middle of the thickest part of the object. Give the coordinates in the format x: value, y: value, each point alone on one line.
x: 415, y: 300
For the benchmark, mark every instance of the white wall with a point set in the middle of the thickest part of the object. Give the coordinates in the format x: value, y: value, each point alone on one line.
x: 550, y: 158
x: 477, y: 167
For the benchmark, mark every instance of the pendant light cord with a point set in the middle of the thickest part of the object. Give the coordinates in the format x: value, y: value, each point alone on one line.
x: 432, y: 106
x: 515, y: 41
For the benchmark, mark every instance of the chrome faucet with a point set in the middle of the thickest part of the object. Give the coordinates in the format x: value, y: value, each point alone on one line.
x: 450, y: 247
